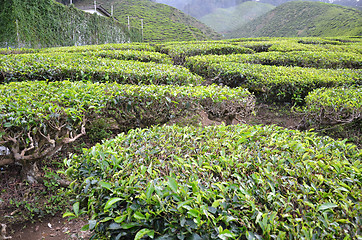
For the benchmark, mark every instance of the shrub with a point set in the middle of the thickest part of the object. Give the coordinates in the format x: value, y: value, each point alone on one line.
x: 272, y: 83
x: 38, y: 118
x: 136, y: 55
x: 232, y: 182
x: 328, y: 107
x: 56, y: 67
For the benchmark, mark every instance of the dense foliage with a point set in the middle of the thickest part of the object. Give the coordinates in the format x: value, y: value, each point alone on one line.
x: 44, y: 23
x: 303, y: 19
x: 273, y: 83
x: 62, y: 66
x: 167, y: 182
x: 328, y: 107
x: 38, y: 118
x: 234, y: 182
x: 160, y: 22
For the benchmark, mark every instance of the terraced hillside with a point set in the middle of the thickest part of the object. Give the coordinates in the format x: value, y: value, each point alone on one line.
x: 300, y: 18
x: 161, y: 22
x: 225, y: 20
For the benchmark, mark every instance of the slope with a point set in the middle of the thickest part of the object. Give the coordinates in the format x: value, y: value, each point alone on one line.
x: 229, y: 19
x: 45, y: 23
x: 161, y: 22
x: 299, y: 19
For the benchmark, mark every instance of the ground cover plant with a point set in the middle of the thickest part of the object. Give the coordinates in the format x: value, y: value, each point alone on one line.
x: 224, y: 182
x: 38, y: 118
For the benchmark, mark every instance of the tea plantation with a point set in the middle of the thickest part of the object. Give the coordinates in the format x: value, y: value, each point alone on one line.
x: 164, y: 177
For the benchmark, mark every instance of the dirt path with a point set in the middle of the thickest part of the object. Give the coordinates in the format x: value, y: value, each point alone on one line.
x: 53, y: 228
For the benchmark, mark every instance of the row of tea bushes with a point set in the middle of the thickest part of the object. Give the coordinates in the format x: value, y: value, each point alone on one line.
x: 234, y: 182
x: 328, y: 107
x: 273, y: 83
x: 136, y: 55
x: 293, y: 45
x: 37, y: 118
x: 179, y: 51
x: 332, y: 60
x: 8, y: 51
x: 110, y: 46
x: 58, y: 67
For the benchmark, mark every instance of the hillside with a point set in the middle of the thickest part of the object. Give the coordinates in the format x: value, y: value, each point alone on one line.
x: 200, y: 8
x: 45, y: 23
x: 161, y: 22
x: 297, y: 19
x: 224, y: 20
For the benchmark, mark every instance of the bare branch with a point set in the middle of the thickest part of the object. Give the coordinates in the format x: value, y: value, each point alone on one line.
x: 6, y: 161
x: 23, y: 152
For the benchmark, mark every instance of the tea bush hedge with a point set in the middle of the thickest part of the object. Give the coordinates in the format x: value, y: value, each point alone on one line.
x: 57, y: 67
x: 331, y: 60
x: 223, y: 182
x: 37, y: 118
x: 109, y: 46
x: 179, y: 51
x: 136, y: 55
x: 328, y: 107
x: 273, y: 83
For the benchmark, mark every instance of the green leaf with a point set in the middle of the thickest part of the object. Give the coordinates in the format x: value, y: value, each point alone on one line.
x: 129, y: 225
x: 326, y: 206
x: 173, y: 184
x: 225, y: 234
x: 110, y: 202
x: 76, y: 208
x: 139, y: 216
x: 68, y: 214
x: 143, y: 232
x: 105, y: 185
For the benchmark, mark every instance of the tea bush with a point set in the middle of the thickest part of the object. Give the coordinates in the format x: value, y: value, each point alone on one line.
x: 272, y: 83
x: 331, y: 60
x: 234, y: 182
x: 57, y: 67
x: 333, y: 106
x: 109, y: 46
x: 136, y: 55
x: 179, y: 51
x: 38, y: 118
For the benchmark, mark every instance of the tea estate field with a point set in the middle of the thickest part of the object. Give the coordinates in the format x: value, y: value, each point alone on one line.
x: 153, y: 171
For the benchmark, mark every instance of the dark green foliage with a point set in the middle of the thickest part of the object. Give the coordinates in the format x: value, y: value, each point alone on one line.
x: 77, y: 66
x: 272, y: 83
x: 39, y: 118
x: 303, y: 18
x: 42, y: 23
x: 236, y: 182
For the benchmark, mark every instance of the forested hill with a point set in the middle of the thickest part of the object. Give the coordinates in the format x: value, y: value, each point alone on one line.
x: 200, y: 8
x: 224, y: 20
x: 300, y: 18
x: 161, y: 22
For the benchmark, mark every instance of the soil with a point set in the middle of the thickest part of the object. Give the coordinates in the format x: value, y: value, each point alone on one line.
x: 57, y: 228
x: 52, y: 228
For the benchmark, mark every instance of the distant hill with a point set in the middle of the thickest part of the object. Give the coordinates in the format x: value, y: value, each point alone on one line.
x: 224, y: 20
x: 161, y: 22
x: 299, y: 18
